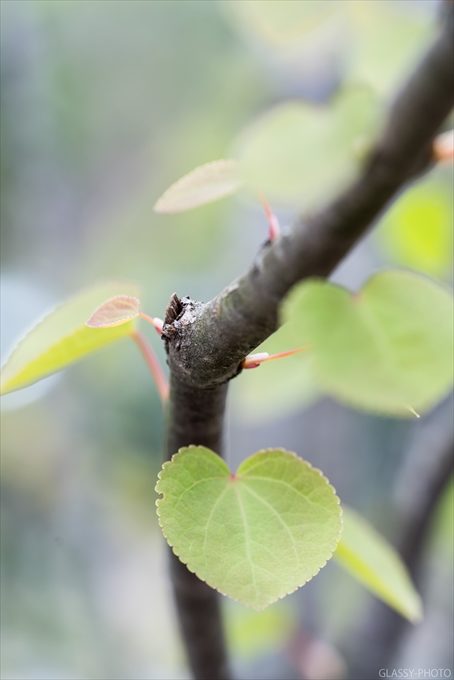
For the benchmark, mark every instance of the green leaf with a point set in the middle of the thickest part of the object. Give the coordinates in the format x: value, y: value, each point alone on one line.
x: 299, y: 153
x: 250, y: 633
x: 204, y: 184
x: 276, y: 387
x: 417, y: 230
x: 387, y: 349
x: 373, y: 561
x: 281, y: 23
x: 387, y: 39
x: 63, y: 337
x: 256, y: 535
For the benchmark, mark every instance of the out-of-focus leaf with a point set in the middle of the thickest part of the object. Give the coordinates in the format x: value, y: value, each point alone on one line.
x: 251, y: 633
x: 204, y: 184
x: 277, y: 386
x: 282, y: 23
x: 256, y: 535
x: 386, y: 41
x: 299, y: 153
x: 115, y: 312
x: 62, y: 337
x: 375, y: 563
x: 417, y: 230
x: 387, y: 349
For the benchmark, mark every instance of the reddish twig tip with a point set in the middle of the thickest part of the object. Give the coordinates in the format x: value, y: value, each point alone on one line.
x: 256, y: 360
x: 443, y: 147
x: 154, y: 321
x: 273, y: 223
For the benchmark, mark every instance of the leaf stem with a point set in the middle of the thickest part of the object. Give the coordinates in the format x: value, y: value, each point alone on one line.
x: 274, y: 228
x: 255, y: 360
x: 154, y: 321
x: 153, y: 364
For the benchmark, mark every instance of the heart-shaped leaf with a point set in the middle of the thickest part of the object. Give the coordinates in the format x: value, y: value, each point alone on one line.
x: 204, y: 184
x: 374, y: 562
x: 256, y: 535
x: 387, y: 349
x: 62, y: 337
x: 115, y: 312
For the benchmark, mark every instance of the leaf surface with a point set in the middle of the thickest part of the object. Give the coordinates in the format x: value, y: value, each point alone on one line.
x: 63, y: 337
x: 276, y: 387
x: 386, y: 349
x: 204, y: 184
x: 374, y: 562
x: 417, y: 230
x: 299, y: 153
x: 254, y: 536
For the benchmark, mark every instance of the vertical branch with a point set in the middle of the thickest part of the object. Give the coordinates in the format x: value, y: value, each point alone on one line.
x: 196, y: 417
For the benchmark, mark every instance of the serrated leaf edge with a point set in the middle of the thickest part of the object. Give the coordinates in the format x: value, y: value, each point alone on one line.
x: 182, y: 451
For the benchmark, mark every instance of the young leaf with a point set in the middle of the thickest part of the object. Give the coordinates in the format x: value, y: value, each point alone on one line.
x: 205, y: 184
x: 115, y: 312
x: 256, y: 535
x: 387, y: 349
x: 276, y: 152
x: 417, y: 230
x: 63, y: 337
x: 373, y: 561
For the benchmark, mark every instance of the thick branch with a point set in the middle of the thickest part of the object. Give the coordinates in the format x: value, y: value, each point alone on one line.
x: 243, y: 315
x: 196, y: 417
x: 207, y: 342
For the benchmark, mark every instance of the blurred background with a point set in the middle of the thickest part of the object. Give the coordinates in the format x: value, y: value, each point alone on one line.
x: 104, y: 104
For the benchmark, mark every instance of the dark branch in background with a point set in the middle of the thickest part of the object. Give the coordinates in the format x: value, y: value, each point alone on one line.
x: 425, y: 476
x: 207, y: 342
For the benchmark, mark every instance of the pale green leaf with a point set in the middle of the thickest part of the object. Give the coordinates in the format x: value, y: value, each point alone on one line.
x: 62, y: 337
x: 276, y: 387
x: 300, y: 153
x: 250, y: 633
x: 115, y: 312
x: 374, y: 562
x: 256, y: 535
x: 204, y: 184
x: 417, y: 230
x: 386, y: 41
x: 281, y: 23
x: 387, y: 349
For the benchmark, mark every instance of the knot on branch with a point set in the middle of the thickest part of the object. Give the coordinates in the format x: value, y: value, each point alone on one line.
x: 195, y: 355
x: 180, y: 313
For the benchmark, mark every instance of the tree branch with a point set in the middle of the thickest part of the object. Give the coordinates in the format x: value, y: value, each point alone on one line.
x: 206, y: 343
x: 426, y: 475
x: 196, y: 416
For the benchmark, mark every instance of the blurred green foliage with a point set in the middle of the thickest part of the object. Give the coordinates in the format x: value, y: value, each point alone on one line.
x: 104, y: 104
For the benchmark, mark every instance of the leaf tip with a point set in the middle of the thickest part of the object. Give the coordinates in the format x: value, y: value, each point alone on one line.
x: 115, y: 311
x: 204, y: 184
